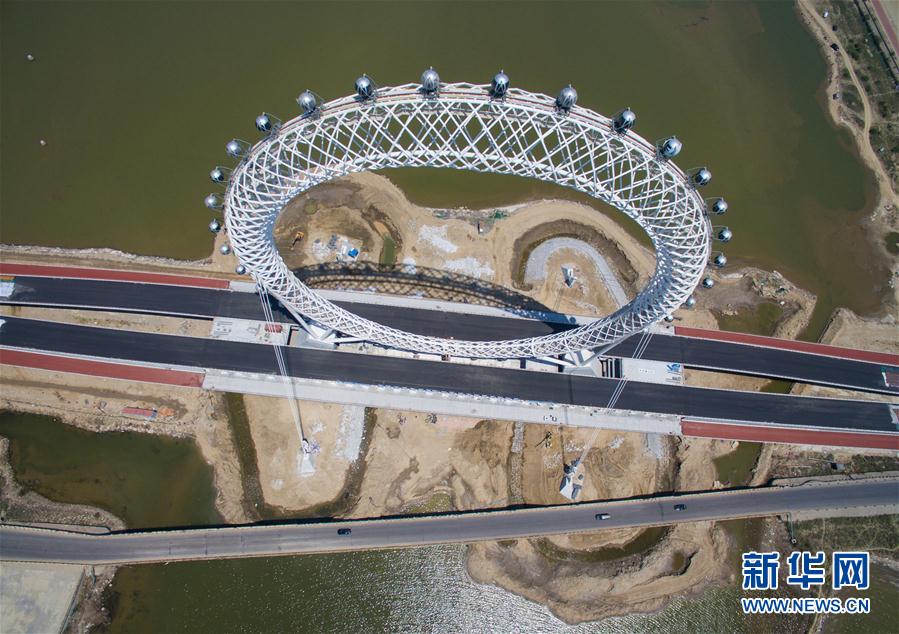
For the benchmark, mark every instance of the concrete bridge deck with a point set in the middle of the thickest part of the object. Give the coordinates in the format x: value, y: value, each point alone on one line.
x: 827, y: 498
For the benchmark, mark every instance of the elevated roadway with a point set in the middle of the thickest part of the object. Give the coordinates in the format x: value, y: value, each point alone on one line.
x: 337, y: 366
x: 830, y: 499
x: 757, y: 356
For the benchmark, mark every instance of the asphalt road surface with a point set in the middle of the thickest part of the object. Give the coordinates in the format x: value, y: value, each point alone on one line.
x: 693, y: 402
x: 28, y: 544
x: 692, y: 352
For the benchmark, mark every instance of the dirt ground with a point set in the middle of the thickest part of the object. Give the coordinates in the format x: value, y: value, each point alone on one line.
x: 585, y: 296
x: 334, y: 430
x: 364, y: 209
x: 578, y: 591
x: 592, y: 576
x: 19, y: 504
x: 139, y: 323
x: 215, y: 265
x: 422, y: 463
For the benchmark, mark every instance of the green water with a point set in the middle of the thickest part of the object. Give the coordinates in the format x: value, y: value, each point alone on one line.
x: 758, y: 320
x: 734, y: 468
x: 416, y: 590
x: 136, y: 100
x: 884, y: 595
x: 145, y: 480
x: 388, y: 252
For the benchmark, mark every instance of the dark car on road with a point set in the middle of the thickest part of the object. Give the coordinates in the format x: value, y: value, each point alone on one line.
x: 680, y: 507
x: 602, y: 516
x: 343, y: 531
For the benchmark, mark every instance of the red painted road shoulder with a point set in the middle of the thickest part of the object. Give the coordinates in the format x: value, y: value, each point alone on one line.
x: 759, y: 433
x: 789, y: 344
x: 110, y: 275
x: 100, y: 368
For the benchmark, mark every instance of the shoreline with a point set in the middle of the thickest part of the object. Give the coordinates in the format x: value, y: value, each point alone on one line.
x: 882, y: 218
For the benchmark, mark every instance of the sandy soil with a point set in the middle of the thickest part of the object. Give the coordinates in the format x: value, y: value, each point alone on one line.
x: 417, y: 463
x: 848, y: 329
x: 20, y: 504
x: 738, y: 290
x: 335, y: 430
x: 578, y: 577
x: 365, y: 208
x: 421, y: 463
x: 135, y: 322
x: 585, y: 296
x: 845, y: 329
x: 578, y: 591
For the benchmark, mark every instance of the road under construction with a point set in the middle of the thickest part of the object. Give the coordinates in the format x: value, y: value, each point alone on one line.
x: 741, y: 354
x: 398, y: 382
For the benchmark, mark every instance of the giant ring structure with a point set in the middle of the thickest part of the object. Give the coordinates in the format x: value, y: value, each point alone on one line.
x: 483, y: 128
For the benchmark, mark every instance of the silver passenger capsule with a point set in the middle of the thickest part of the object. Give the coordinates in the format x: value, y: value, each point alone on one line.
x: 234, y: 148
x: 500, y: 85
x: 708, y: 282
x: 217, y: 175
x: 365, y: 87
x: 225, y: 249
x: 567, y: 98
x: 213, y: 201
x: 720, y: 260
x: 624, y: 120
x: 240, y: 269
x: 215, y: 226
x: 430, y: 81
x: 264, y: 123
x: 701, y: 177
x: 307, y: 102
x: 719, y: 207
x: 690, y: 302
x: 670, y: 147
x: 725, y: 234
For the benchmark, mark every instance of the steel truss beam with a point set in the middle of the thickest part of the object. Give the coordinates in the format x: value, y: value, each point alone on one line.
x: 464, y: 128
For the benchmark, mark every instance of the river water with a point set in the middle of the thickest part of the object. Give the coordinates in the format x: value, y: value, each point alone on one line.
x: 136, y: 100
x: 144, y: 479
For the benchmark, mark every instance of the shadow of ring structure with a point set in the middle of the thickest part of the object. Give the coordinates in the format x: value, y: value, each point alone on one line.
x: 483, y: 129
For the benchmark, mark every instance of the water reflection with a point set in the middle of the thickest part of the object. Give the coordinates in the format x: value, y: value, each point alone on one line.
x: 414, y: 590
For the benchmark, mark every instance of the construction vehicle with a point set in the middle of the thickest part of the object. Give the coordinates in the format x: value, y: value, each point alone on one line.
x: 299, y: 235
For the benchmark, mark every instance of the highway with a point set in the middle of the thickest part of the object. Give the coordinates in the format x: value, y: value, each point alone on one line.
x: 691, y: 352
x: 31, y: 544
x: 693, y: 402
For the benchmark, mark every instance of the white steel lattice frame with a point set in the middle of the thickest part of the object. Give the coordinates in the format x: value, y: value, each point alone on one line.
x: 465, y: 128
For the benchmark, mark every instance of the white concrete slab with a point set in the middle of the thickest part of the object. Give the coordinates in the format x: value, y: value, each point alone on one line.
x: 36, y: 597
x: 7, y: 287
x: 452, y: 404
x: 249, y: 331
